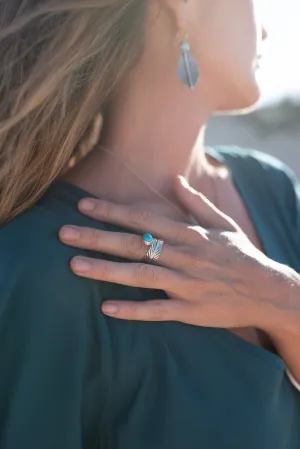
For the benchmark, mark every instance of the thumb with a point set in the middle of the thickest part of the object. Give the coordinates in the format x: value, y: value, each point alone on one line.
x: 205, y: 212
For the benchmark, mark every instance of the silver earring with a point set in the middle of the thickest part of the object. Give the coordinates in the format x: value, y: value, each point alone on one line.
x: 188, y: 71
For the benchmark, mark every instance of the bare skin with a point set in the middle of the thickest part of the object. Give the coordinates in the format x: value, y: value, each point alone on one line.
x: 213, y: 278
x: 157, y: 126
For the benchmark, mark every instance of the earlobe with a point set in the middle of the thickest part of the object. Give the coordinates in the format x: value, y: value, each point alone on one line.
x: 178, y: 11
x: 188, y: 71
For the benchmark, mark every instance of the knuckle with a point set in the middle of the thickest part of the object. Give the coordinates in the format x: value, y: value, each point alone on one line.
x: 139, y: 216
x: 133, y: 244
x: 134, y: 309
x: 146, y: 275
x: 104, y: 270
x: 194, y: 259
x: 228, y: 223
x: 194, y: 265
x: 158, y: 311
x: 105, y: 210
x: 93, y: 237
x: 197, y: 233
x: 178, y: 236
x: 224, y: 237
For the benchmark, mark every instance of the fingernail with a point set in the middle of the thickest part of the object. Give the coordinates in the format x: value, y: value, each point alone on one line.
x: 87, y: 205
x: 81, y: 265
x: 70, y: 233
x: 110, y: 309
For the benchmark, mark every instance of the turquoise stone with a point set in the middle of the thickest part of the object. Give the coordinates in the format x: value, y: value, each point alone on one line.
x: 185, y: 46
x: 147, y: 239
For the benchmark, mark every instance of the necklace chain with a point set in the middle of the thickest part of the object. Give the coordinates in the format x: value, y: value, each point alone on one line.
x: 126, y: 164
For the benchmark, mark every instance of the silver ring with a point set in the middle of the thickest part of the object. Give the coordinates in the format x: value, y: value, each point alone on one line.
x: 155, y: 249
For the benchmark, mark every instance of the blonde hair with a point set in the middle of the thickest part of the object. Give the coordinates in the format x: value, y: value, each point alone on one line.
x: 60, y: 61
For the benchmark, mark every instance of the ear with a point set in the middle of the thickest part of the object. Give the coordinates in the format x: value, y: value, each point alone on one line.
x: 178, y: 10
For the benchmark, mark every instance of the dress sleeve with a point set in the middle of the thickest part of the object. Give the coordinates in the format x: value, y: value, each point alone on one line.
x: 46, y: 320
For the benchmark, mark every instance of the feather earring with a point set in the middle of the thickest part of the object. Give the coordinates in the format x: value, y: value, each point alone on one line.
x: 188, y: 71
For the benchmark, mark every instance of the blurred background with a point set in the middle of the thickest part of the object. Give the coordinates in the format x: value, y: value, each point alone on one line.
x: 274, y: 127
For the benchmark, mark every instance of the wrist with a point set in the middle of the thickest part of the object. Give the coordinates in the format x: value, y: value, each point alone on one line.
x: 283, y: 315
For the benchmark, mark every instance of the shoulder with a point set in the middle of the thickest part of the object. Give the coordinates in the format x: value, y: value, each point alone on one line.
x: 34, y: 266
x: 48, y: 319
x: 42, y: 301
x: 256, y: 162
x: 271, y: 178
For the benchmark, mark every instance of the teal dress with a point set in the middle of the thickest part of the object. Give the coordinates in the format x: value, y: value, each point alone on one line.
x: 72, y: 378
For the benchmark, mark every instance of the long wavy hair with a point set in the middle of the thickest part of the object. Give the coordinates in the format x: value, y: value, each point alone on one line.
x: 60, y: 61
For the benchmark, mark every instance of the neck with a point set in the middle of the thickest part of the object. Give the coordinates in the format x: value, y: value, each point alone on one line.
x: 153, y: 139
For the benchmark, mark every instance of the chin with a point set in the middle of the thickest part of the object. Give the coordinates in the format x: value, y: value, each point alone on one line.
x: 243, y: 99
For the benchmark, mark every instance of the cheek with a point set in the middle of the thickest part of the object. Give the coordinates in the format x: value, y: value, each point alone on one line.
x: 228, y: 71
x: 226, y: 50
x: 225, y: 59
x: 232, y: 34
x: 230, y: 53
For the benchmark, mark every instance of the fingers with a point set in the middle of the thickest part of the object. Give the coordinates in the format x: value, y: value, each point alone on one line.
x: 127, y: 246
x: 155, y: 310
x: 130, y: 274
x: 206, y: 213
x: 135, y: 219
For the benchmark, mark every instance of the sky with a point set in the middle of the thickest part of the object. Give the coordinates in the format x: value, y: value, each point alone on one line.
x: 279, y: 75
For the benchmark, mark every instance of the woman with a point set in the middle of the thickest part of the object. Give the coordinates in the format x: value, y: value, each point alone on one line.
x: 70, y: 376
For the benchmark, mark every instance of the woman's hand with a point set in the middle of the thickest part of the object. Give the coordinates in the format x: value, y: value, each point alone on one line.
x: 213, y: 275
